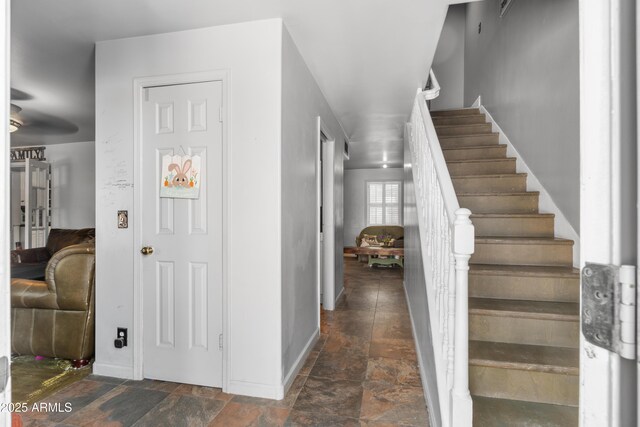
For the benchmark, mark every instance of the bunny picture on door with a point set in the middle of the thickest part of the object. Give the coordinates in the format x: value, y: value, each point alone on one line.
x: 180, y: 177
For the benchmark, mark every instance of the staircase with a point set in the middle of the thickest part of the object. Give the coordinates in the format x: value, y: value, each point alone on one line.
x: 523, y: 289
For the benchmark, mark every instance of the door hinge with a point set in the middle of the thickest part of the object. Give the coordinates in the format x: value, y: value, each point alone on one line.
x: 220, y: 114
x: 609, y: 307
x: 220, y: 342
x: 4, y: 372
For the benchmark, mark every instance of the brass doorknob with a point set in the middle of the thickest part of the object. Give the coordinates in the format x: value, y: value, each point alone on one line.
x: 146, y: 250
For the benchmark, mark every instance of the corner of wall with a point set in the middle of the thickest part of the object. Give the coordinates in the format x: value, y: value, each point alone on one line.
x: 299, y: 363
x: 263, y: 391
x: 278, y: 196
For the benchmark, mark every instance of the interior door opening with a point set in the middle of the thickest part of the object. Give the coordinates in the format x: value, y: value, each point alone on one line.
x: 326, y: 227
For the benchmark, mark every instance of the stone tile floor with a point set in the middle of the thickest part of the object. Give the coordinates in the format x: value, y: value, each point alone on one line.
x: 362, y: 372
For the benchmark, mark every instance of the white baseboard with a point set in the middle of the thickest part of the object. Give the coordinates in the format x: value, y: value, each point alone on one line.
x: 299, y: 363
x: 245, y: 388
x: 562, y: 226
x: 423, y: 373
x: 115, y: 371
x: 234, y: 387
x: 339, y: 295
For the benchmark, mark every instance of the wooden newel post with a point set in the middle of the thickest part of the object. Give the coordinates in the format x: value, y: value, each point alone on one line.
x: 463, y: 247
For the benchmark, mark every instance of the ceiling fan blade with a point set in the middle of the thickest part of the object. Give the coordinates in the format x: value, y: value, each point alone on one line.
x: 15, y: 110
x: 37, y: 123
x: 34, y: 122
x: 18, y: 95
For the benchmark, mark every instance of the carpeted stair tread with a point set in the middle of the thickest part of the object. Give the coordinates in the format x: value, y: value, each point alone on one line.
x: 524, y: 270
x: 456, y: 112
x: 471, y: 135
x: 491, y: 151
x: 459, y: 116
x: 525, y: 357
x: 493, y: 412
x: 499, y: 159
x: 475, y: 147
x: 463, y: 126
x: 513, y: 215
x: 524, y: 240
x: 566, y: 311
x: 460, y: 120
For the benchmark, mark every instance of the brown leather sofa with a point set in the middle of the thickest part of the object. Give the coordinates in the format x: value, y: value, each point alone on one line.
x: 55, y: 317
x: 58, y: 238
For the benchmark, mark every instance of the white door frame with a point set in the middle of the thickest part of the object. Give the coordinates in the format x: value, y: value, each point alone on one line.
x: 5, y: 242
x: 600, y: 195
x: 325, y: 265
x: 139, y: 86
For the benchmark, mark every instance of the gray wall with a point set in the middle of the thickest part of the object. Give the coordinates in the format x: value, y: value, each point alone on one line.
x: 355, y: 197
x: 302, y: 103
x: 416, y: 291
x: 73, y: 182
x: 526, y: 68
x: 448, y: 63
x: 73, y: 191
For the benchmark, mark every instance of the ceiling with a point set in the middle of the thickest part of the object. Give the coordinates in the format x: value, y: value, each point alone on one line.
x: 368, y: 57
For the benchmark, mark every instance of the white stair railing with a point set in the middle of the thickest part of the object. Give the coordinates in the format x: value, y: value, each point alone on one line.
x: 447, y: 242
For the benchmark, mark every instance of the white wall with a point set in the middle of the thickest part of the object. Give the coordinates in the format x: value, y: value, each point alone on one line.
x: 355, y: 200
x: 448, y: 62
x: 302, y: 103
x: 73, y: 194
x: 250, y: 52
x: 526, y: 68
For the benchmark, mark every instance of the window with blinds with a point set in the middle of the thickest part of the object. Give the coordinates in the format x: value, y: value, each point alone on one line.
x: 383, y: 203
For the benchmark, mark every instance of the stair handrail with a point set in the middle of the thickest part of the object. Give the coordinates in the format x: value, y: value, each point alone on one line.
x: 447, y: 242
x: 432, y: 88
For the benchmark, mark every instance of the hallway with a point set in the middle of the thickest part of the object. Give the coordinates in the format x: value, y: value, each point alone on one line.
x: 363, y: 371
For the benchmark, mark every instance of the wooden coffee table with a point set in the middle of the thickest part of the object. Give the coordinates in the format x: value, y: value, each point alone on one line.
x: 374, y: 252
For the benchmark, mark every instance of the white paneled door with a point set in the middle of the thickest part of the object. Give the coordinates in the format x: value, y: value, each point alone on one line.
x: 183, y: 247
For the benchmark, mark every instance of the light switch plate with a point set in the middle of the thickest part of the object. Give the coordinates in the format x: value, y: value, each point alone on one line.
x: 123, y: 219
